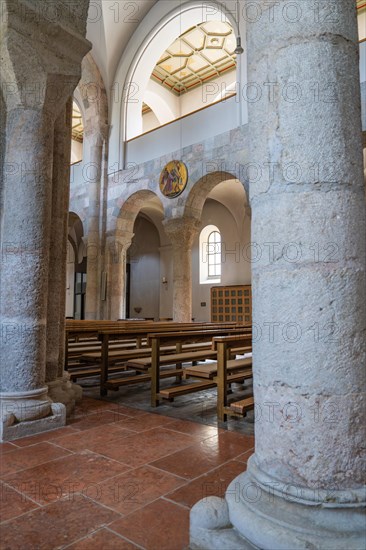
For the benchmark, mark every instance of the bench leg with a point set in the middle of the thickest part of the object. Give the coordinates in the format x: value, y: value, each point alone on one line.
x: 221, y: 381
x: 155, y: 372
x: 178, y: 378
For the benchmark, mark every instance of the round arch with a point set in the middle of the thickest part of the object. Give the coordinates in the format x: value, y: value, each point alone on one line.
x: 131, y: 208
x: 76, y: 235
x: 172, y: 25
x: 201, y: 190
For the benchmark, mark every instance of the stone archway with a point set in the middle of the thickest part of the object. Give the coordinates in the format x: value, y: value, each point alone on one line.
x: 117, y: 246
x: 201, y: 190
x: 182, y: 233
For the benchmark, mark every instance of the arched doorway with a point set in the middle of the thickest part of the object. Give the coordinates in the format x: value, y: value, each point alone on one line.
x: 76, y: 270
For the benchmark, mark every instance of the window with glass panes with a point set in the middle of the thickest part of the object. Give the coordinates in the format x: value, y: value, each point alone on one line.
x: 214, y: 254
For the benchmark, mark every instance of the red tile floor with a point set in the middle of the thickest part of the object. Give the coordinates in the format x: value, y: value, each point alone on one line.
x: 114, y: 478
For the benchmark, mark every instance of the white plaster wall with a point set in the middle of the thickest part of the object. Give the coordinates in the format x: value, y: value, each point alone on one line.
x: 149, y: 121
x: 76, y: 151
x: 145, y: 269
x: 174, y: 107
x: 235, y: 269
x: 361, y: 19
x: 205, y: 124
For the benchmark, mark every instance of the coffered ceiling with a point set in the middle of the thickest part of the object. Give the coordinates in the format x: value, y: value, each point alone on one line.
x: 201, y: 54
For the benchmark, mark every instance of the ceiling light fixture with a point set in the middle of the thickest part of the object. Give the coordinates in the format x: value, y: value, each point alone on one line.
x: 239, y: 49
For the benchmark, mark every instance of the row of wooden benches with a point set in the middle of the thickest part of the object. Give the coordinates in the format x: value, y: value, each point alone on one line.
x: 191, y: 343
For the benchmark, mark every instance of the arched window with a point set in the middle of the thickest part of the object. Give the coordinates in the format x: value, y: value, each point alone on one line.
x: 186, y: 64
x: 77, y: 134
x: 210, y: 255
x: 214, y: 255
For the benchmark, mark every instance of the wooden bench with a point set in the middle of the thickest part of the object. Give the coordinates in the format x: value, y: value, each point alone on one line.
x: 177, y: 391
x: 210, y: 371
x: 223, y: 345
x: 116, y: 383
x: 106, y: 335
x: 176, y: 358
x: 88, y: 372
x: 179, y: 338
x: 240, y: 408
x: 86, y: 333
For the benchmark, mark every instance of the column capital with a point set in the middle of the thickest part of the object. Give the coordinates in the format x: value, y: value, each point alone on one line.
x: 123, y: 239
x: 181, y: 231
x: 41, y: 57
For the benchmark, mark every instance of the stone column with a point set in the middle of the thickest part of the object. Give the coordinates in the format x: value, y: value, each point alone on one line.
x: 60, y: 389
x: 94, y: 144
x: 303, y: 486
x: 116, y: 275
x: 182, y: 232
x: 35, y: 87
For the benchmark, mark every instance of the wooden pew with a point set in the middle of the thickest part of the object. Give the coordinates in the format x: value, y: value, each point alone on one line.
x: 223, y: 345
x: 158, y: 340
x: 106, y: 335
x: 87, y: 332
x: 238, y: 371
x: 117, y: 333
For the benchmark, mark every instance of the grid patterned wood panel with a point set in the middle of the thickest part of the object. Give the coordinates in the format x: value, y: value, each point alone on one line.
x: 231, y: 303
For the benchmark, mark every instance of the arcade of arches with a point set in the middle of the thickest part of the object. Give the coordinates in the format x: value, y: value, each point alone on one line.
x: 264, y: 103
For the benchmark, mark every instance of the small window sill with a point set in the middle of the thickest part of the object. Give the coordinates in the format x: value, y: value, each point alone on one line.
x: 210, y: 281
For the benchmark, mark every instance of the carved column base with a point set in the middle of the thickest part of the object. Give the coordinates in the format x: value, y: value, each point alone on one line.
x: 66, y: 392
x: 28, y: 413
x: 262, y: 512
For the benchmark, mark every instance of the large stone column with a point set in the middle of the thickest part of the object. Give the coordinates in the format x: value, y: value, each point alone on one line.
x: 94, y: 146
x: 182, y: 232
x: 60, y: 389
x: 303, y: 486
x: 36, y: 78
x: 116, y: 249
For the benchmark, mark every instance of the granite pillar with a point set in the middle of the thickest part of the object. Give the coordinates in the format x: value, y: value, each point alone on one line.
x: 94, y: 146
x: 60, y: 389
x: 182, y: 232
x: 117, y: 248
x: 303, y: 487
x: 35, y: 87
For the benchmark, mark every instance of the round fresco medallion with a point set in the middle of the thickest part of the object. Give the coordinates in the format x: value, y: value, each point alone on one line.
x: 173, y: 179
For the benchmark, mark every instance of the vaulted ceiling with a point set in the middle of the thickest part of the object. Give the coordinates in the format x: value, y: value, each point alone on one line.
x: 111, y: 25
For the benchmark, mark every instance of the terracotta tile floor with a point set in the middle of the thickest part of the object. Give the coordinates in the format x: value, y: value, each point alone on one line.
x: 115, y: 478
